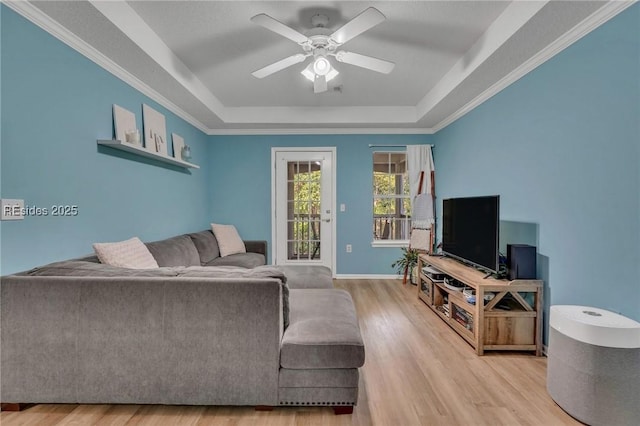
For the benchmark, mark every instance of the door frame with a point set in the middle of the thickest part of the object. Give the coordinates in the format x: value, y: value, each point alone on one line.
x: 326, y: 149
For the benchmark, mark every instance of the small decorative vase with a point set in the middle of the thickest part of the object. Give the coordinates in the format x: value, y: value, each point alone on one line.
x: 186, y: 153
x: 133, y: 137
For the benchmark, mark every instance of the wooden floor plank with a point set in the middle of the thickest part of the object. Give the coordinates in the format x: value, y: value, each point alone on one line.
x: 417, y: 372
x: 118, y: 415
x: 85, y: 415
x: 41, y: 414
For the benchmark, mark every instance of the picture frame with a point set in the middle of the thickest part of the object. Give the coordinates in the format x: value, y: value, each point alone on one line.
x: 155, y: 131
x: 124, y: 121
x: 178, y: 144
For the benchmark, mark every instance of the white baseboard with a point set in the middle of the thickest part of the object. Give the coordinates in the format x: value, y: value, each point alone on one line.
x: 368, y: 277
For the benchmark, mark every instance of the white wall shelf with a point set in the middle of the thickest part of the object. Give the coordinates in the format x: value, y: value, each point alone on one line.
x: 136, y: 149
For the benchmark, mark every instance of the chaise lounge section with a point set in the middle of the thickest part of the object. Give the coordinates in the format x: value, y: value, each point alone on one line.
x: 186, y: 333
x: 321, y: 350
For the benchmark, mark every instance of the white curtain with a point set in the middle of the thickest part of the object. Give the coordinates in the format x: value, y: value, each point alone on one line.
x: 420, y: 161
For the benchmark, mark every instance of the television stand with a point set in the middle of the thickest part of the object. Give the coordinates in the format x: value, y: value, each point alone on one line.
x: 508, y: 319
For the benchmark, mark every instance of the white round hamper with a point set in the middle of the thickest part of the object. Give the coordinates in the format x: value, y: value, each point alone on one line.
x: 593, y: 367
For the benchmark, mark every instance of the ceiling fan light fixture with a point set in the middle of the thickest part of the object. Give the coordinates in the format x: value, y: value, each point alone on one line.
x: 310, y: 75
x: 320, y: 44
x: 321, y: 65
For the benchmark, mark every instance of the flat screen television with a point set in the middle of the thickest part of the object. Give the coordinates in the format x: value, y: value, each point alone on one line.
x: 470, y: 230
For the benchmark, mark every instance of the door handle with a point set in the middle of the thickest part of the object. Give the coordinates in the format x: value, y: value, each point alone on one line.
x: 326, y: 220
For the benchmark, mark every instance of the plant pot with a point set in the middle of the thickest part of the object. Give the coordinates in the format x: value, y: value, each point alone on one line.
x: 414, y: 275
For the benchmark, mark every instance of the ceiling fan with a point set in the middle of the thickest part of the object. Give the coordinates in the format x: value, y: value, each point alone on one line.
x: 322, y: 43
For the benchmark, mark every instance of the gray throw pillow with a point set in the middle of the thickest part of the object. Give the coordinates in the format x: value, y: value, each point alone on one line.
x: 207, y: 246
x: 176, y: 251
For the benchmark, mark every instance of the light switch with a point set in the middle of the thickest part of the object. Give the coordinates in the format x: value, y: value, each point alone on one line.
x: 11, y: 209
x: 343, y: 207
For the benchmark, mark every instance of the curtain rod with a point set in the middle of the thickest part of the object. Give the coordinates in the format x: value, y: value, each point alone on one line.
x: 392, y: 146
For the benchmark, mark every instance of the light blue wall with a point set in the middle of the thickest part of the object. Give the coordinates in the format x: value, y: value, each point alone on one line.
x: 55, y: 105
x: 241, y: 191
x: 562, y: 148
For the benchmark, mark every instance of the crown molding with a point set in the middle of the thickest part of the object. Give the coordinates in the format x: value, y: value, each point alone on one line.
x: 43, y: 21
x: 323, y: 131
x: 596, y: 19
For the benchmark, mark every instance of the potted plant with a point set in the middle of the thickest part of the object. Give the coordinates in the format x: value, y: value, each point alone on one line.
x: 407, y: 262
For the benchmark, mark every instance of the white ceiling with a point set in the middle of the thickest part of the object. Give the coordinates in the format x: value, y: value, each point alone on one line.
x: 196, y: 57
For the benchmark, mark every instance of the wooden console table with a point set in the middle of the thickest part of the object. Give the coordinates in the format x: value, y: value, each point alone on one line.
x: 511, y: 320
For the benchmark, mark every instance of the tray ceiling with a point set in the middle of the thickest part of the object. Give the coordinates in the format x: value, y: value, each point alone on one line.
x: 196, y: 57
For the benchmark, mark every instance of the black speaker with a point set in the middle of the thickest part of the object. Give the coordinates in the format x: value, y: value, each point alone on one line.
x: 521, y: 261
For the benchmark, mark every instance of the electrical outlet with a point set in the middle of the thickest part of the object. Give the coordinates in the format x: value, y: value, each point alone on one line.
x: 11, y: 209
x: 349, y: 248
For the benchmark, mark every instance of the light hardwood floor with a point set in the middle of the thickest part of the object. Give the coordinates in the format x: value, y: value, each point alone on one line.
x: 417, y: 372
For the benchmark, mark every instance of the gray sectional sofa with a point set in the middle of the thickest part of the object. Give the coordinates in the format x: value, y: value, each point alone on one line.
x: 199, y: 330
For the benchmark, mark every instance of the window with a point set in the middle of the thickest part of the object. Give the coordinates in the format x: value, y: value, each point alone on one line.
x: 391, y: 200
x: 303, y: 216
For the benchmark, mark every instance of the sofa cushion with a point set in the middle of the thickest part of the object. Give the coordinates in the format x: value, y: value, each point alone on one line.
x: 228, y: 239
x: 244, y: 260
x: 260, y: 271
x: 307, y: 276
x: 323, y: 331
x: 176, y: 251
x: 130, y: 253
x: 80, y: 268
x: 206, y: 244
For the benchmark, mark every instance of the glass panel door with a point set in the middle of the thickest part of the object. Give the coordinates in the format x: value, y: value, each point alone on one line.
x: 303, y: 202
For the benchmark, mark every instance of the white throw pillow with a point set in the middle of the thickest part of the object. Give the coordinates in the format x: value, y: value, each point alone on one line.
x: 131, y: 254
x: 228, y: 238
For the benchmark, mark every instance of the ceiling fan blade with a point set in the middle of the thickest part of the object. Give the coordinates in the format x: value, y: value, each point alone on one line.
x: 280, y: 65
x: 368, y: 62
x: 361, y: 23
x: 320, y: 84
x: 278, y: 27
